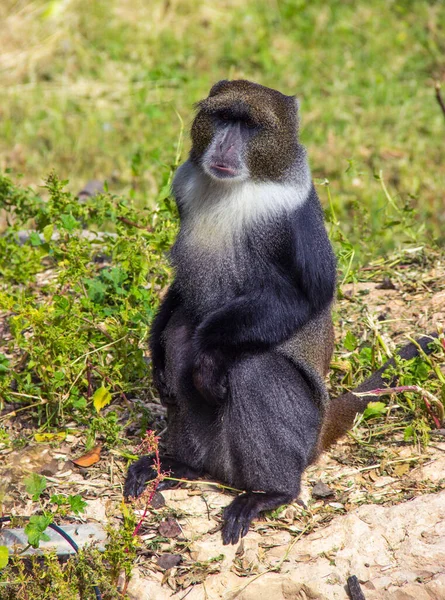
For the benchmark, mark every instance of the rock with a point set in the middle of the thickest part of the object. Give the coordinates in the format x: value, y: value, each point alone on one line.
x: 433, y: 470
x: 321, y: 490
x: 95, y: 510
x: 141, y: 588
x: 207, y: 549
x: 386, y: 284
x: 412, y: 591
x: 396, y: 553
x: 438, y: 300
x: 158, y: 500
x: 168, y: 561
x: 50, y: 469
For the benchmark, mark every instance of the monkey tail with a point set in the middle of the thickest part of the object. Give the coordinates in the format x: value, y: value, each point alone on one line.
x: 341, y: 411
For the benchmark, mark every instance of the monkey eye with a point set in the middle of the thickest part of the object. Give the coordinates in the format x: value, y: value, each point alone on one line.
x: 248, y: 122
x: 224, y: 116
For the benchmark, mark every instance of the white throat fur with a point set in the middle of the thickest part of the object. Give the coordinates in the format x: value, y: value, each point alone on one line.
x: 215, y: 212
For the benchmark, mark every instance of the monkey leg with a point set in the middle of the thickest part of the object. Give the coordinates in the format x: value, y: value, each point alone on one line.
x: 142, y: 471
x: 268, y: 433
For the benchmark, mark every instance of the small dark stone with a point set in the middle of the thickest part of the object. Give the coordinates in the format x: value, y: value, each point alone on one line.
x: 168, y: 561
x: 169, y: 528
x: 438, y: 432
x: 386, y: 284
x: 50, y: 468
x: 158, y: 500
x: 321, y: 490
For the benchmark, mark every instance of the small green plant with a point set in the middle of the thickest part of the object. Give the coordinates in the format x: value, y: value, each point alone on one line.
x: 35, y: 529
x: 78, y: 336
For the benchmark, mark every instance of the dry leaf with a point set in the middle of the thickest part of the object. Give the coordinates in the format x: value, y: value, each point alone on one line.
x: 50, y: 437
x: 168, y: 561
x: 373, y: 475
x: 169, y: 528
x: 88, y: 459
x: 401, y: 469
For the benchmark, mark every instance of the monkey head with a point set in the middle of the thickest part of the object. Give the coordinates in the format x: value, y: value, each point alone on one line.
x: 244, y: 130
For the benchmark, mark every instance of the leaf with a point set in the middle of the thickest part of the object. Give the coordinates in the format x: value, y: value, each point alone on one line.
x: 374, y: 409
x: 169, y: 528
x: 365, y: 355
x: 77, y: 504
x: 79, y: 403
x: 168, y: 561
x: 48, y: 233
x: 89, y: 458
x: 35, y: 529
x: 4, y: 362
x: 96, y: 290
x: 68, y: 222
x: 58, y: 499
x: 408, y: 434
x: 35, y: 484
x: 350, y: 342
x: 101, y: 398
x: 4, y: 556
x: 401, y: 469
x: 50, y: 437
x: 35, y: 240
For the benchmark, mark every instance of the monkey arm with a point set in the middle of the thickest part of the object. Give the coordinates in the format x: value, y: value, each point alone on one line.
x: 253, y: 322
x: 170, y: 303
x: 264, y: 317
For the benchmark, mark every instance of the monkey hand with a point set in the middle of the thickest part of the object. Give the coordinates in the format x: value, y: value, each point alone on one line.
x: 210, y: 376
x: 160, y: 383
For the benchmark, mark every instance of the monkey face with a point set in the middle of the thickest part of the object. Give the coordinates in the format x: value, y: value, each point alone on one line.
x: 245, y: 131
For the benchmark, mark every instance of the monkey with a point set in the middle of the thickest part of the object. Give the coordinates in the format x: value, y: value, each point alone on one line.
x: 243, y: 339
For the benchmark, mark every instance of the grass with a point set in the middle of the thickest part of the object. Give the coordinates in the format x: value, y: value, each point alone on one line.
x: 100, y: 89
x: 105, y: 90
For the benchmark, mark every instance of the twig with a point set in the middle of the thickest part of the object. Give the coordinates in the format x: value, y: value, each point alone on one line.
x: 28, y: 406
x: 151, y: 444
x: 204, y: 482
x: 439, y: 97
x: 97, y: 349
x: 377, y: 466
x: 133, y: 224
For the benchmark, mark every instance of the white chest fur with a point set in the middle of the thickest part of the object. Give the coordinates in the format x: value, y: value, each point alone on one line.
x: 215, y: 213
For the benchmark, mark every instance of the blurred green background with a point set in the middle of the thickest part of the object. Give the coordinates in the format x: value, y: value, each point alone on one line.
x: 102, y: 89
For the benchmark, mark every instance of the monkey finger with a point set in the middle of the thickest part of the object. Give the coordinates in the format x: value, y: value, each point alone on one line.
x: 237, y: 518
x: 231, y: 530
x: 139, y: 474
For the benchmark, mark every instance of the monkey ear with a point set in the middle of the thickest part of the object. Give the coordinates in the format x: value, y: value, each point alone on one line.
x: 218, y: 87
x: 295, y: 102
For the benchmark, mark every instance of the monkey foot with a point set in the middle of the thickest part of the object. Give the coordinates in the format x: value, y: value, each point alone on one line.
x: 241, y: 512
x: 142, y: 472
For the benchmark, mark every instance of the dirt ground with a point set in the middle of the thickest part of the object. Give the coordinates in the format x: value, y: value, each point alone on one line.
x: 374, y: 506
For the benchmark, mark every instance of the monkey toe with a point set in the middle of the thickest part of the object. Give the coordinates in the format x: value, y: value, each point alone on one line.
x: 244, y: 509
x: 237, y: 518
x: 139, y: 474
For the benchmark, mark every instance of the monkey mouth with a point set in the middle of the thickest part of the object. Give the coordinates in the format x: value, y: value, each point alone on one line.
x: 223, y: 171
